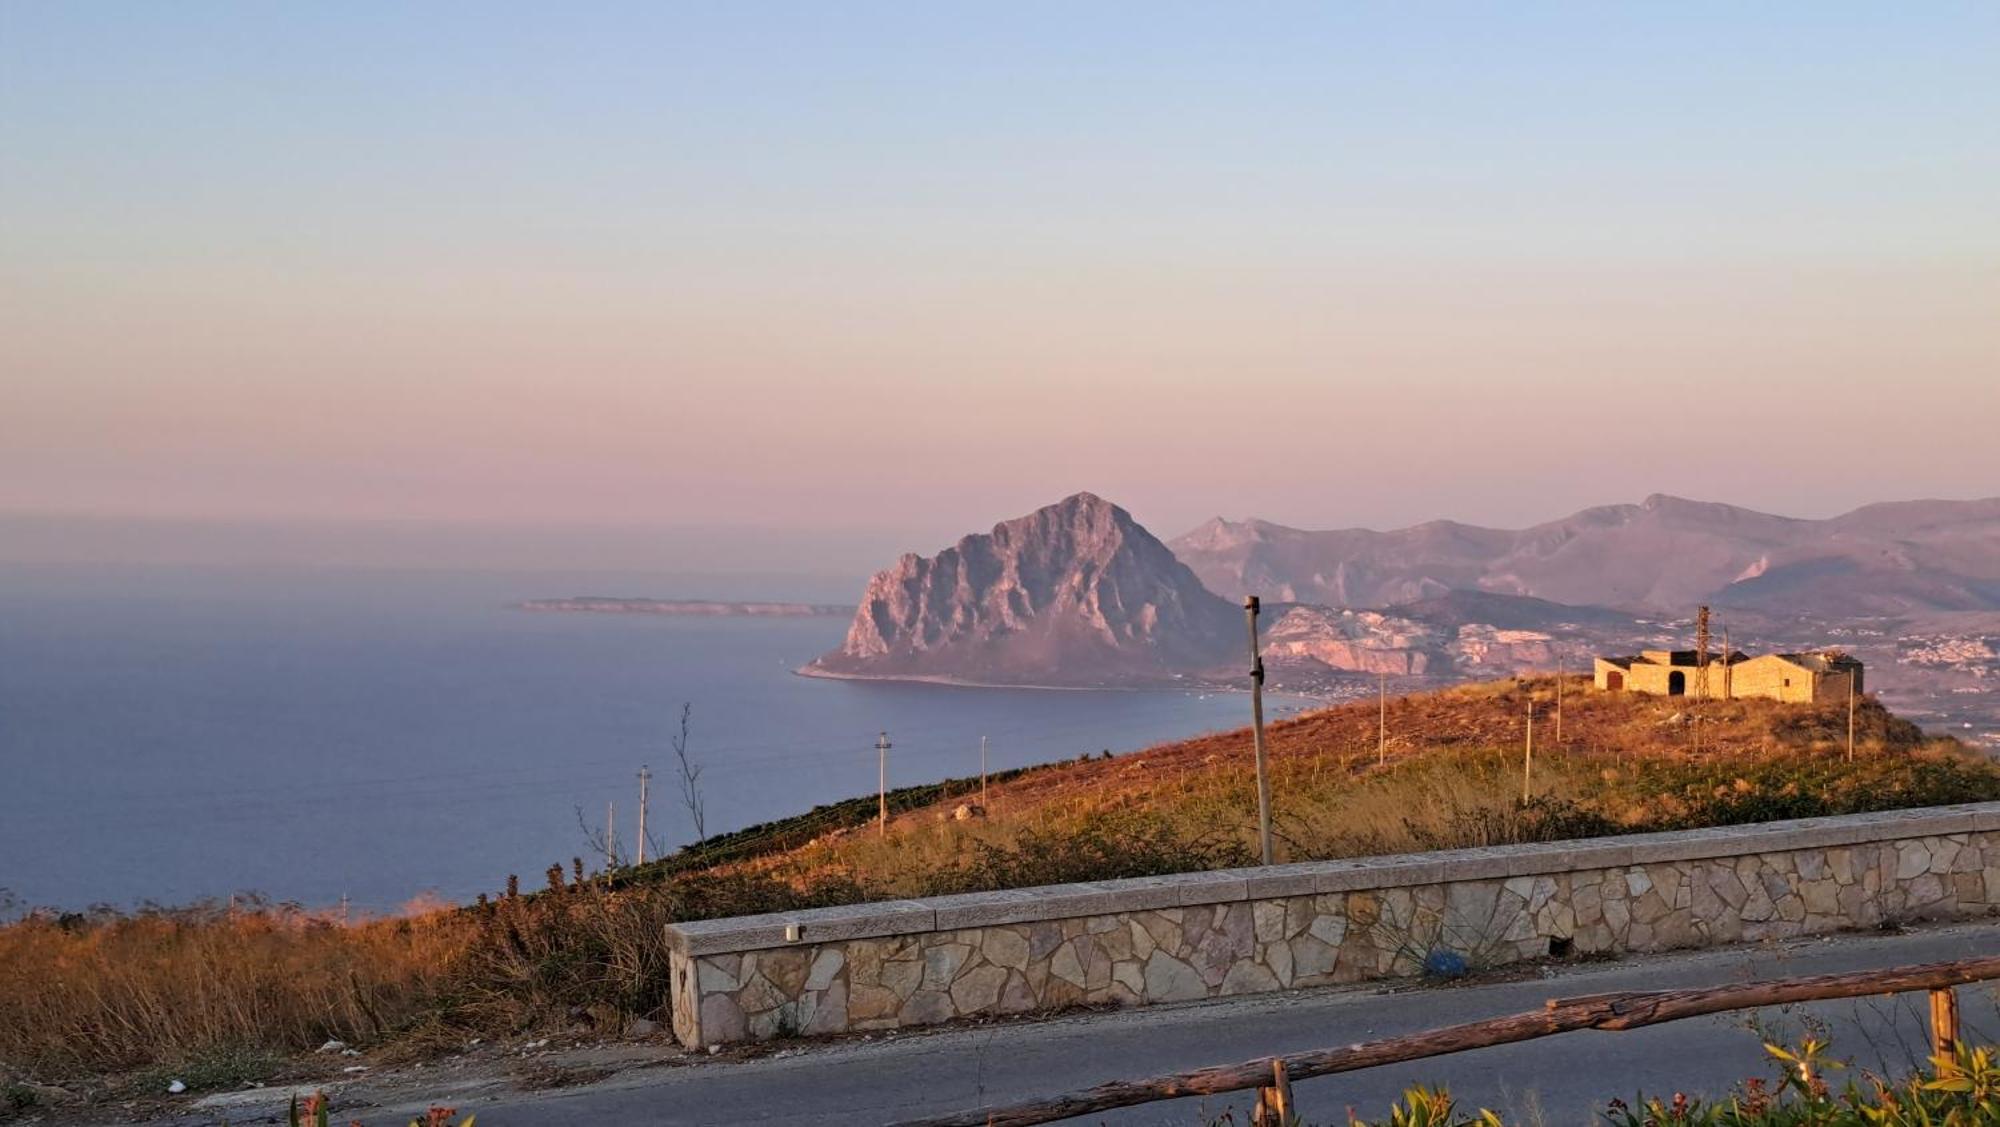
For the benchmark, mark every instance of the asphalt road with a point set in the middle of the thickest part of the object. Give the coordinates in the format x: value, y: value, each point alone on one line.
x: 1557, y: 1081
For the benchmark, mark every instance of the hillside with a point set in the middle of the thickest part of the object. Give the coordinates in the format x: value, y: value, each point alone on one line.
x: 1452, y: 777
x: 1076, y: 593
x: 182, y: 992
x: 1665, y: 553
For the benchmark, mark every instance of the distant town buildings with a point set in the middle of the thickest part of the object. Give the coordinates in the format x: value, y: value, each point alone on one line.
x: 1798, y: 677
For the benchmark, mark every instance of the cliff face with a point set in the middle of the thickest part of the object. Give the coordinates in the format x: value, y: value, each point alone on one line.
x: 1353, y: 641
x: 1076, y: 593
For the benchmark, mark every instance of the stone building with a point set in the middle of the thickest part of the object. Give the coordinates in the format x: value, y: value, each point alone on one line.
x: 1796, y: 677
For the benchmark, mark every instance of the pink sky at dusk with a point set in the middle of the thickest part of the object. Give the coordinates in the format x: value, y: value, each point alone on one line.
x: 231, y: 289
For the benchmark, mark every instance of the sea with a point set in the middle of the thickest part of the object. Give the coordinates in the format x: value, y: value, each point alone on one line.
x: 382, y: 738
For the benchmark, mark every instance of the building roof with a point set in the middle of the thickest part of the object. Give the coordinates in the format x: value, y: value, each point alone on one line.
x: 1820, y: 662
x: 1686, y: 657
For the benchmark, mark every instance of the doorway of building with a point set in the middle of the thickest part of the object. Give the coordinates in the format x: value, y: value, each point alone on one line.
x: 1614, y: 681
x: 1677, y: 684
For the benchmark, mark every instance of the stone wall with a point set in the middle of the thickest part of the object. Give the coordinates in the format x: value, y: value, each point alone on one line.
x: 1245, y: 931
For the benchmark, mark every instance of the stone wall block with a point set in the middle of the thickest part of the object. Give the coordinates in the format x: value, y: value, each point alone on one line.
x: 1278, y: 956
x: 1313, y: 962
x: 1248, y: 977
x: 1268, y: 916
x: 942, y: 964
x: 1005, y: 947
x: 1130, y: 974
x: 826, y: 965
x: 785, y: 969
x: 978, y: 990
x: 902, y: 976
x: 718, y: 973
x: 831, y: 1014
x: 926, y: 1007
x: 1168, y: 979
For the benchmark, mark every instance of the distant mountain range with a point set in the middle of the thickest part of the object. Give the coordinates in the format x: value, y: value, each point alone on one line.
x: 1079, y: 594
x: 1662, y: 555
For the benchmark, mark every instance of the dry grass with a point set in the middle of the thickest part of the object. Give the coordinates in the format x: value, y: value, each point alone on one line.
x: 203, y: 988
x: 92, y: 994
x: 1452, y: 778
x: 217, y: 994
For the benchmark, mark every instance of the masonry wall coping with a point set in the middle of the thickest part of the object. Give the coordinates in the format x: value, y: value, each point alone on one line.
x: 1094, y: 898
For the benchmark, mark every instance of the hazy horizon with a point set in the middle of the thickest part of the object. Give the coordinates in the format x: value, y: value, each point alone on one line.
x: 740, y: 562
x: 713, y: 281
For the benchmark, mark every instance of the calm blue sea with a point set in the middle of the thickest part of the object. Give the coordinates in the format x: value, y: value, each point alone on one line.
x: 168, y: 735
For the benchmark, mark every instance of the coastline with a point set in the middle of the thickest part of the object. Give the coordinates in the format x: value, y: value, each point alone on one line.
x: 965, y: 683
x: 683, y: 608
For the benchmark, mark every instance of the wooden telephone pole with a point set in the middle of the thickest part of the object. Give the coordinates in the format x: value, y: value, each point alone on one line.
x: 1700, y: 673
x: 1559, y: 702
x: 1528, y: 756
x: 1850, y: 716
x: 1382, y: 723
x: 645, y: 776
x: 1250, y: 607
x: 1728, y: 688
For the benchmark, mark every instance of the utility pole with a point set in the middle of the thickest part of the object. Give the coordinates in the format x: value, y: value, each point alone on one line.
x: 645, y: 776
x: 1382, y: 722
x: 343, y: 909
x: 982, y: 774
x: 1250, y: 608
x: 1850, y: 716
x: 1559, y: 701
x: 1701, y: 653
x: 1700, y: 674
x: 882, y: 785
x: 1728, y: 689
x: 610, y: 836
x: 1528, y: 755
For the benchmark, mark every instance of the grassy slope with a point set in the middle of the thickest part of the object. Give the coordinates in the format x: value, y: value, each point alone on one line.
x: 204, y: 990
x: 1453, y: 777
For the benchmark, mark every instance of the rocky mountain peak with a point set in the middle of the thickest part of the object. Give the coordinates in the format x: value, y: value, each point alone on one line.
x: 1073, y: 593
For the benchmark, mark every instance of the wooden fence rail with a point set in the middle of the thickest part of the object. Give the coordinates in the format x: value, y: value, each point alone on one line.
x: 1616, y: 1011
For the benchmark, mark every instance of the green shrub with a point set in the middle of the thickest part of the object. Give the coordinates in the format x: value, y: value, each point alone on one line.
x: 1959, y: 1090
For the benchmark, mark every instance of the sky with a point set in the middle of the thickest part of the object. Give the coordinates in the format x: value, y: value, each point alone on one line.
x: 736, y: 280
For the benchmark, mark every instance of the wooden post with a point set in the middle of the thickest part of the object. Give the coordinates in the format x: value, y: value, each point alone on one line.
x: 1528, y: 756
x: 1944, y: 1021
x: 1850, y: 716
x: 1559, y: 702
x: 882, y: 785
x: 1274, y: 1100
x: 1382, y: 724
x: 645, y: 775
x: 1728, y: 689
x: 1250, y: 608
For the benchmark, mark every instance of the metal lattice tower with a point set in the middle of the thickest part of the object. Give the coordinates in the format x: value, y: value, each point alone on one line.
x: 1701, y: 654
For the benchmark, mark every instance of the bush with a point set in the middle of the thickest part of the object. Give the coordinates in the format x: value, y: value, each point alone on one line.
x: 1962, y: 1088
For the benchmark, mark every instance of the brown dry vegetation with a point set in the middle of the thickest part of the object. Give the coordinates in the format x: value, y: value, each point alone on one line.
x: 1453, y: 777
x: 218, y: 994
